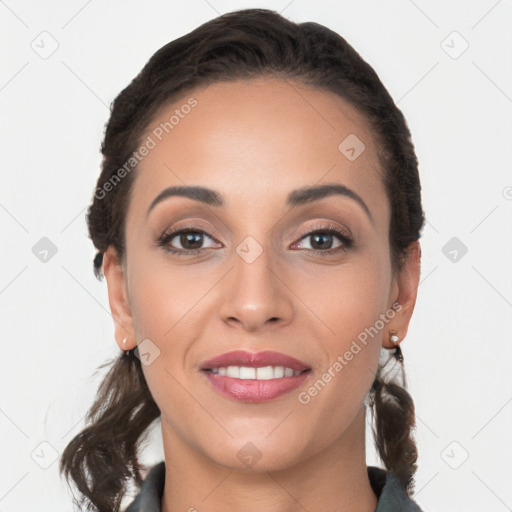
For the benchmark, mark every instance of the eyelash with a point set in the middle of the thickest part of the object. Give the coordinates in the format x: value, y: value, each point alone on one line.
x: 344, y: 238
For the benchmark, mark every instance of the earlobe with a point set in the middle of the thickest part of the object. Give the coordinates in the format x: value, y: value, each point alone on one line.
x: 407, y: 284
x: 118, y: 299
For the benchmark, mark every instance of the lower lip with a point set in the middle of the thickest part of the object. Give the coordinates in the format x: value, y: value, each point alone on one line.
x: 252, y: 390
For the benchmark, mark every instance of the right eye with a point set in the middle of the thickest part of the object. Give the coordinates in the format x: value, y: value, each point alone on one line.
x: 190, y: 240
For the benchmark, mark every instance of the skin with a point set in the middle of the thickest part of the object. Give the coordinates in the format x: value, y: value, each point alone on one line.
x: 254, y: 142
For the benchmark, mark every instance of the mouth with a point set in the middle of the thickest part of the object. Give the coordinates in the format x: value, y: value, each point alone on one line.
x: 255, y: 377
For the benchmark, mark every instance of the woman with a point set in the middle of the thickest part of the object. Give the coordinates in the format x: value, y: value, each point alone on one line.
x: 257, y: 221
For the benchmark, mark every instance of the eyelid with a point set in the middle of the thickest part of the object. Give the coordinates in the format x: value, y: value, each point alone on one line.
x: 189, y: 225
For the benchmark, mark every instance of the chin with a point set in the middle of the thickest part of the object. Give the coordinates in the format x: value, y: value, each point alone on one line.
x: 256, y: 455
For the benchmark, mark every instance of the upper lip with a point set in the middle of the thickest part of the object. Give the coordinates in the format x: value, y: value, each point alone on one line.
x: 254, y: 360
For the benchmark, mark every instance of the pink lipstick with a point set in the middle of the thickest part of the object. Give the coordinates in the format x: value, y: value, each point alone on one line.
x: 255, y: 376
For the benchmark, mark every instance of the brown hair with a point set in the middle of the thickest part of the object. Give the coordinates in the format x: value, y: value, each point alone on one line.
x: 238, y: 45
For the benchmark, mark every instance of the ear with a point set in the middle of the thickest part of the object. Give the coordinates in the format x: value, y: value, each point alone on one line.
x: 118, y: 299
x: 405, y: 290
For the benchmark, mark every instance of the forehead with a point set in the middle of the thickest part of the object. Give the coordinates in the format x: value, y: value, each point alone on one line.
x: 258, y: 139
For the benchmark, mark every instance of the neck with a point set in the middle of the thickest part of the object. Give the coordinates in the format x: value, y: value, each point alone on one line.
x: 332, y: 480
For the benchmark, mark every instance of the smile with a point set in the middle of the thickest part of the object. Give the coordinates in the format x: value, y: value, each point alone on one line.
x: 255, y: 377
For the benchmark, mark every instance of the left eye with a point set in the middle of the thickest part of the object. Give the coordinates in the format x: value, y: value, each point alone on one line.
x: 323, y: 240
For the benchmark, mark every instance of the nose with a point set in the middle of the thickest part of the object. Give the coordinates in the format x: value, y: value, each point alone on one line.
x: 256, y: 295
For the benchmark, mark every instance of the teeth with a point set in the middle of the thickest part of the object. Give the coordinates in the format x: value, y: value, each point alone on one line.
x: 233, y: 371
x: 247, y: 373
x: 279, y: 372
x: 265, y: 373
x: 261, y: 373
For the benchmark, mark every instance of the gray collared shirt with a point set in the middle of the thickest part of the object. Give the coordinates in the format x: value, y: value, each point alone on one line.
x: 388, y: 489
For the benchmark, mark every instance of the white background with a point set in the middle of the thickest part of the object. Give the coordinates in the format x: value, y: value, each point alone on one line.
x: 56, y: 325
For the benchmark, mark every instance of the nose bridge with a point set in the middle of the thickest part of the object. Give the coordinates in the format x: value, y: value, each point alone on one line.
x: 255, y: 294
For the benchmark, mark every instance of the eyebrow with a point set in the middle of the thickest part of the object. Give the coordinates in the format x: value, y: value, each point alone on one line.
x: 297, y: 197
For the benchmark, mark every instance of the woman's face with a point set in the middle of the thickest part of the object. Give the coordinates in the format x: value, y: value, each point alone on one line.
x: 305, y: 275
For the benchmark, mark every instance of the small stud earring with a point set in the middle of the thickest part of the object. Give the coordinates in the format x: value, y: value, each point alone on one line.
x: 398, y: 352
x: 126, y: 353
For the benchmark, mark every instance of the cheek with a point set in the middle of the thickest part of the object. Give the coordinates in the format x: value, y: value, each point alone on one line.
x: 165, y: 308
x: 351, y: 304
x: 347, y: 298
x: 163, y: 296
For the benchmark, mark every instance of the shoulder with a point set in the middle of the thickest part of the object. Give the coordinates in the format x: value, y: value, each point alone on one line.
x: 390, y: 492
x: 149, y: 498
